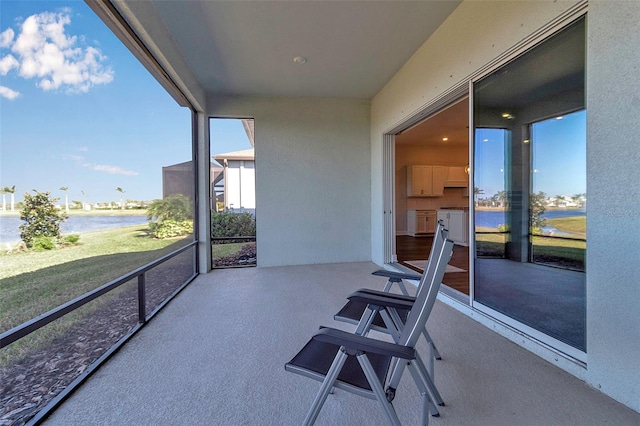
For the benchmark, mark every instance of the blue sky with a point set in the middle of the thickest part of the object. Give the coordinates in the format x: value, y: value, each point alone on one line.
x: 78, y: 110
x: 559, y: 157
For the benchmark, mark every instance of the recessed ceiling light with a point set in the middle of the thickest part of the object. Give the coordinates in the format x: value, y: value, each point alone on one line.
x: 507, y: 116
x: 559, y: 118
x: 445, y: 139
x: 300, y: 60
x: 485, y: 140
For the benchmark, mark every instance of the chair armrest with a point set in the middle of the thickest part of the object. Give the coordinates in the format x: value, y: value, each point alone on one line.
x: 387, y: 294
x: 396, y: 275
x: 383, y: 300
x: 353, y: 342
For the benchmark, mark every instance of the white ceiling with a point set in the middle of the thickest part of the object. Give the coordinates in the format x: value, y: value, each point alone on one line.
x: 246, y: 48
x: 451, y: 123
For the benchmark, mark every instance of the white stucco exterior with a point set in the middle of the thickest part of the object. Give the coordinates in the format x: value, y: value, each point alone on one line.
x: 239, y: 179
x: 312, y: 177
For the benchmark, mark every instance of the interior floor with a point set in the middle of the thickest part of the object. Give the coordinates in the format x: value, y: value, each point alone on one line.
x: 418, y: 248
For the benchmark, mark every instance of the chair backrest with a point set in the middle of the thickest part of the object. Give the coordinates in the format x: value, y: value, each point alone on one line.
x: 429, y: 286
x: 438, y: 241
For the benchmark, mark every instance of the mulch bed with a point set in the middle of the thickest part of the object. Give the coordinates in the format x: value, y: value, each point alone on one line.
x: 28, y: 385
x: 246, y: 256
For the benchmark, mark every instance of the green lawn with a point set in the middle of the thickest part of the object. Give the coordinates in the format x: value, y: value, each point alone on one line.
x: 575, y: 226
x: 223, y: 250
x: 32, y: 283
x: 569, y: 253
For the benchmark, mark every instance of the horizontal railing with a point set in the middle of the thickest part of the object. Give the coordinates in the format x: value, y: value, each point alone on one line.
x: 247, y: 238
x: 37, y: 323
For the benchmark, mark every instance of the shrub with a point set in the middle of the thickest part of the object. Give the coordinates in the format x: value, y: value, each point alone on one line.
x: 71, y: 238
x: 537, y: 231
x: 176, y: 207
x: 229, y: 224
x: 41, y: 217
x: 42, y: 243
x: 504, y: 228
x: 169, y: 228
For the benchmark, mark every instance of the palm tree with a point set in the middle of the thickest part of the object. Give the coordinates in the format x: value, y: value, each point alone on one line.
x: 13, y: 198
x: 66, y: 197
x: 502, y: 197
x: 121, y: 191
x: 4, y: 191
x: 477, y: 191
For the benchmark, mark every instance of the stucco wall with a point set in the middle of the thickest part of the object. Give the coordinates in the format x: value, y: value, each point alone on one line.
x: 312, y: 177
x: 476, y: 34
x: 613, y: 188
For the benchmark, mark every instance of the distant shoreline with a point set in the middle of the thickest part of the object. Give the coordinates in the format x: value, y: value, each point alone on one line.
x: 74, y: 212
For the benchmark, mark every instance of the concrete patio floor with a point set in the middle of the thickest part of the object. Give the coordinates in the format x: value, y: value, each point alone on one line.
x: 216, y: 354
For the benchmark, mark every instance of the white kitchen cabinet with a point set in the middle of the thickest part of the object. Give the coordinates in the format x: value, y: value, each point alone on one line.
x: 457, y: 177
x: 457, y: 222
x: 426, y: 181
x: 421, y: 222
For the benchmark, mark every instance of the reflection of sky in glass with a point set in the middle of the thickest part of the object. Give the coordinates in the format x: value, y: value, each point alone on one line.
x: 489, y: 161
x: 560, y: 155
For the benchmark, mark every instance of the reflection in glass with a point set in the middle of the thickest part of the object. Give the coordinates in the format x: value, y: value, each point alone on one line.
x: 559, y: 206
x: 490, y: 195
x: 530, y: 192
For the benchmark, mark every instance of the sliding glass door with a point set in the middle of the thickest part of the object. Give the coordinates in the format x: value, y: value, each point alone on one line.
x: 530, y: 192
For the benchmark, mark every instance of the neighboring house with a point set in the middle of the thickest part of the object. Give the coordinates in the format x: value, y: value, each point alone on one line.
x: 179, y: 179
x: 239, y: 179
x: 325, y: 129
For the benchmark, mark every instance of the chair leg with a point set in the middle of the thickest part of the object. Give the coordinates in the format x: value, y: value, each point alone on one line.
x: 434, y: 350
x: 327, y: 386
x: 425, y: 410
x: 432, y: 391
x: 428, y: 407
x: 378, y: 391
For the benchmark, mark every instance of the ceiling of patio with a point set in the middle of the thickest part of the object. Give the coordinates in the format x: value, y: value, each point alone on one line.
x: 247, y: 48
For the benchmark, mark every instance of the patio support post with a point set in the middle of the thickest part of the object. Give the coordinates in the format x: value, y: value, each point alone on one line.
x: 203, y: 167
x: 142, y: 300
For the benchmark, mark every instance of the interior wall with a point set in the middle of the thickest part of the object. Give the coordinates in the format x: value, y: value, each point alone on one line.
x: 426, y: 155
x: 613, y: 191
x: 312, y: 177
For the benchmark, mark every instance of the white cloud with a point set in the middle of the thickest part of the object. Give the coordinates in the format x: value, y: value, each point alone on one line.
x: 45, y: 52
x: 5, y: 92
x: 112, y: 170
x: 6, y: 37
x: 7, y: 63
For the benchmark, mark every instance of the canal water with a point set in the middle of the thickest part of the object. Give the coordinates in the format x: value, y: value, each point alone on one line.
x: 9, y: 231
x: 494, y: 218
